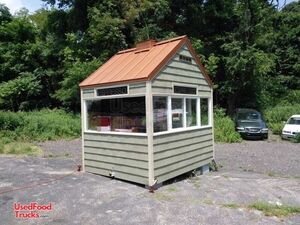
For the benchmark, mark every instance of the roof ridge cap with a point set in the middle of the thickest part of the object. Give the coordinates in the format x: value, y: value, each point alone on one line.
x: 171, y: 40
x: 125, y: 51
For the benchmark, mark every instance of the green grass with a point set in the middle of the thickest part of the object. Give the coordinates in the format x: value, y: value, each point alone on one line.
x: 231, y: 205
x: 19, y: 129
x: 275, y: 210
x: 224, y: 129
x: 38, y: 125
x: 19, y: 148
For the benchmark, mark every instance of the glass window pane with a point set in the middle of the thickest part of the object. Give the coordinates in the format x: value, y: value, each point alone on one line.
x: 118, y: 115
x: 191, y: 110
x: 204, y: 111
x: 160, y: 114
x: 177, y: 112
x: 185, y: 90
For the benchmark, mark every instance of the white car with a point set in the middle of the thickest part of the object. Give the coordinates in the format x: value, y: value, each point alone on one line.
x: 291, y: 127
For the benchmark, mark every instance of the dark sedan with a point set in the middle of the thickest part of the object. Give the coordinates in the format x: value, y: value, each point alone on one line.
x: 250, y: 124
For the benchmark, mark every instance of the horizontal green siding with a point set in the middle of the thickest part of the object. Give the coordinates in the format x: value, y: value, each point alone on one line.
x: 121, y: 175
x: 178, y: 153
x: 179, y: 72
x: 88, y: 93
x: 139, y: 88
x: 204, y: 94
x: 126, y: 156
x: 184, y: 66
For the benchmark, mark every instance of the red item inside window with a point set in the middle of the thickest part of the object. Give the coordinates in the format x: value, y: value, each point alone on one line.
x: 104, y: 121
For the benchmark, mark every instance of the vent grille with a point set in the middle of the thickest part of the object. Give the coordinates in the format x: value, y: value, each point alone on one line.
x: 185, y: 90
x: 112, y: 91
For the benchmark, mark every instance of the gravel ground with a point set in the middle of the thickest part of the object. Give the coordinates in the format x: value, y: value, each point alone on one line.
x: 83, y: 198
x: 273, y: 158
x: 252, y: 171
x: 62, y: 148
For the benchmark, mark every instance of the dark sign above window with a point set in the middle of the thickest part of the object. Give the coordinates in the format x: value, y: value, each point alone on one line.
x: 185, y: 58
x: 112, y: 91
x: 185, y: 90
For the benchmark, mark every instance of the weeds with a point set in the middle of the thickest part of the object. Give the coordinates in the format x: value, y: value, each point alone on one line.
x: 19, y: 148
x: 296, y: 139
x: 224, y: 129
x: 231, y: 205
x: 277, y: 115
x: 271, y: 174
x: 275, y: 210
x: 38, y: 125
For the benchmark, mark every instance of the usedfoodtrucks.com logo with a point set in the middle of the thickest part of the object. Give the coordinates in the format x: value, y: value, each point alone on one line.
x: 31, y: 210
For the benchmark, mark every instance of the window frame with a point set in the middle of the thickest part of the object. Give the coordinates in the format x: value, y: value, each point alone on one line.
x: 169, y: 113
x: 167, y: 109
x: 198, y: 112
x: 99, y: 98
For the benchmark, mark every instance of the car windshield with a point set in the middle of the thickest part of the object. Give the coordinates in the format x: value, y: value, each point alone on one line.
x: 294, y: 121
x: 248, y: 116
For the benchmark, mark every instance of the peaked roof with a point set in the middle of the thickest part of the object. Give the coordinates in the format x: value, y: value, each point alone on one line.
x: 141, y: 63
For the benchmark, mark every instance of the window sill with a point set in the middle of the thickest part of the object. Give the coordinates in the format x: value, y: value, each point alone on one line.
x: 180, y: 130
x: 115, y: 133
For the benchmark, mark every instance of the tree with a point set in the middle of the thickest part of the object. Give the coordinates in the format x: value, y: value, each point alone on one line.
x: 5, y: 15
x: 76, y: 72
x: 17, y: 93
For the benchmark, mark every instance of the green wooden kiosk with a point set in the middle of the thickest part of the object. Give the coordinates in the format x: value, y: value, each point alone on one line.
x: 147, y: 113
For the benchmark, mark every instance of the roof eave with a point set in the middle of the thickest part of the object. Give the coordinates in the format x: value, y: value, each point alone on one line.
x: 200, y: 65
x: 114, y: 83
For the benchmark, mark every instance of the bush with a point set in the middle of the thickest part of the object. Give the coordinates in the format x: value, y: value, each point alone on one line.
x: 276, y: 115
x: 15, y: 93
x: 276, y: 127
x: 10, y: 120
x: 297, y: 139
x: 39, y: 125
x: 224, y: 128
x: 291, y: 98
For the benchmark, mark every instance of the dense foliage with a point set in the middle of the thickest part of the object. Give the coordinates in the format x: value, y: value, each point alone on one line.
x: 38, y: 125
x: 224, y: 128
x: 250, y: 47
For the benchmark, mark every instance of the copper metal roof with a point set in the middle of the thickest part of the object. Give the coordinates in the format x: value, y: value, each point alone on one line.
x: 140, y: 63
